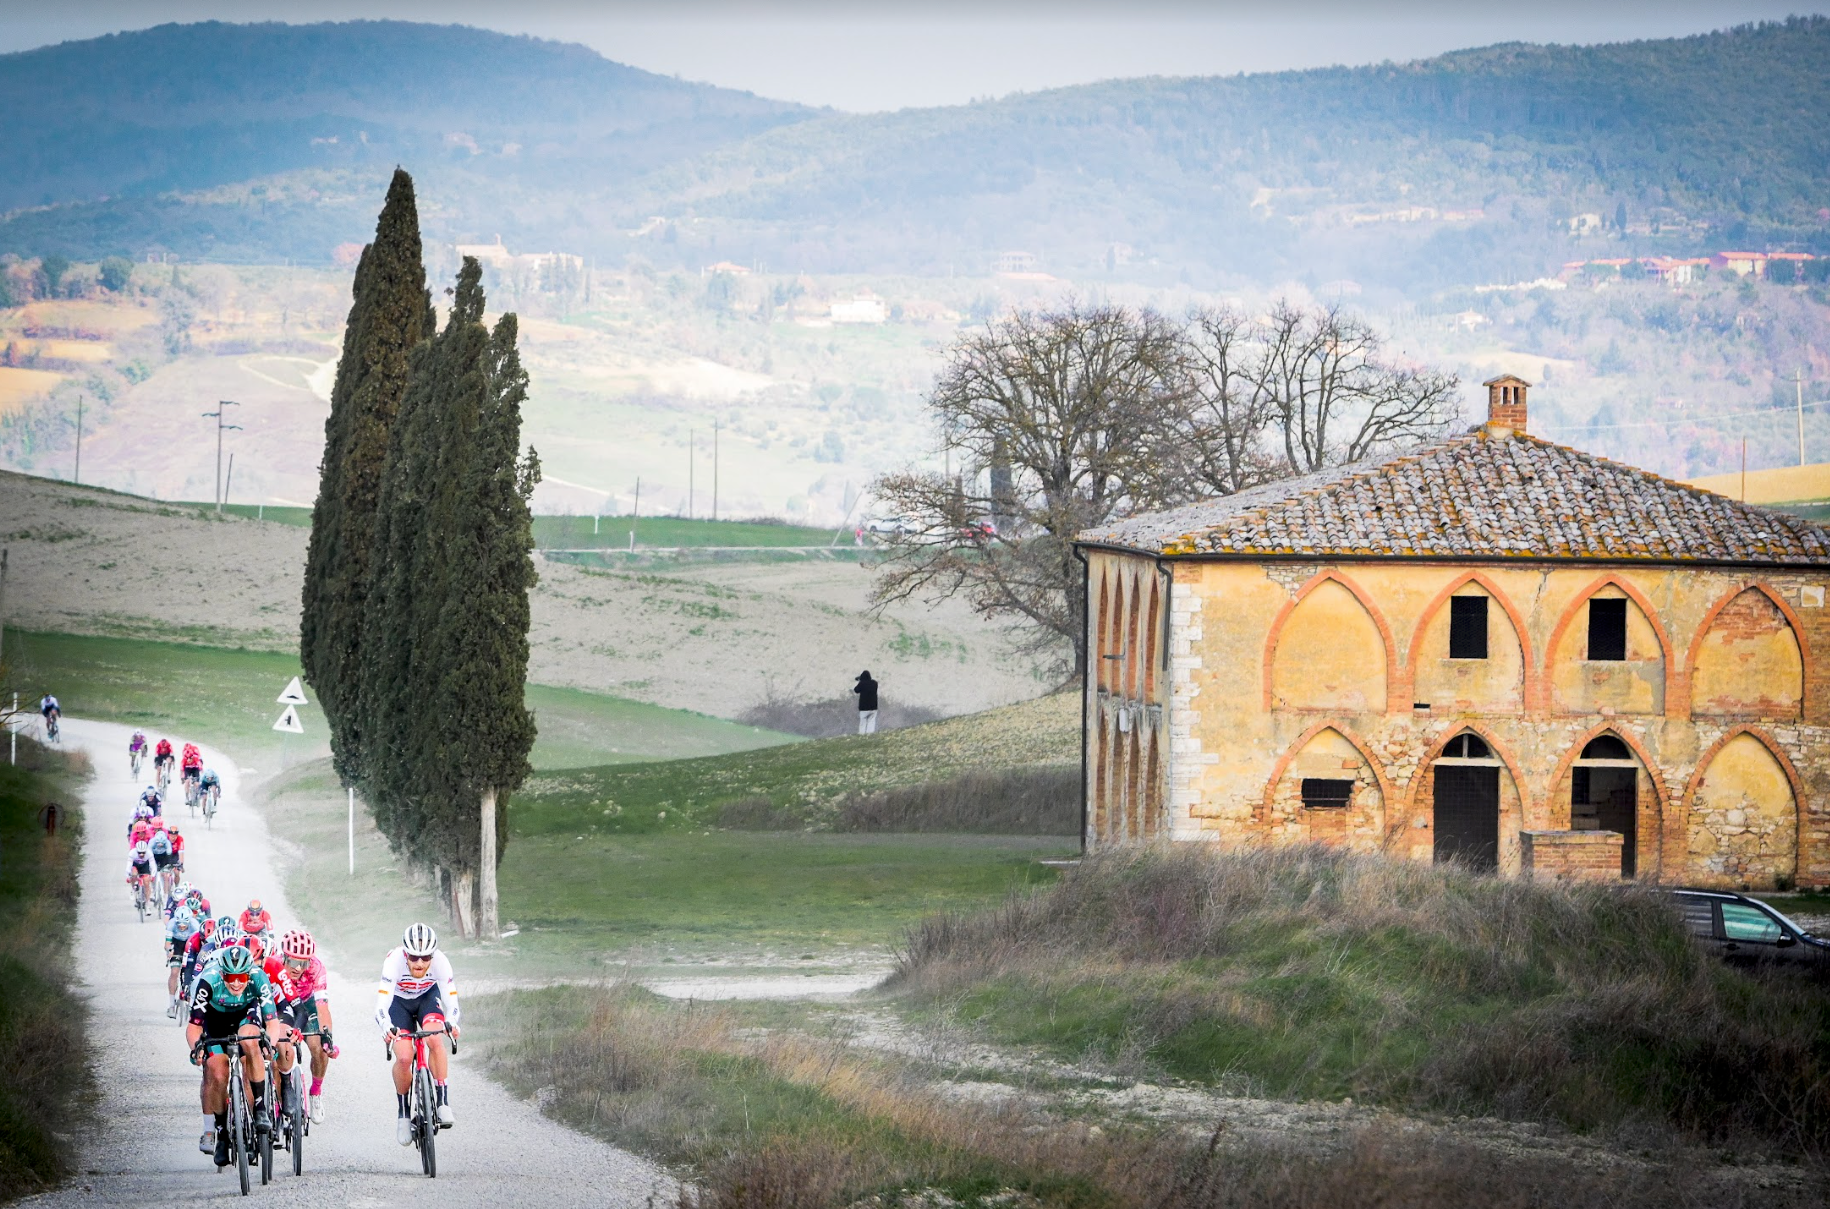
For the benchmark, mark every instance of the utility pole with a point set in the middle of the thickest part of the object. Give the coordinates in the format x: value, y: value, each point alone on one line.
x: 1798, y: 382
x: 79, y: 439
x: 228, y: 480
x: 714, y: 469
x: 217, y: 415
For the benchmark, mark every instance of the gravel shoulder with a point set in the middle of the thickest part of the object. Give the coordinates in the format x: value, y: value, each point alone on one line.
x: 143, y: 1148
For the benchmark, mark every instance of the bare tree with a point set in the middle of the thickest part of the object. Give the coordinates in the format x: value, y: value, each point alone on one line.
x: 1229, y: 405
x: 1063, y: 420
x: 1336, y: 398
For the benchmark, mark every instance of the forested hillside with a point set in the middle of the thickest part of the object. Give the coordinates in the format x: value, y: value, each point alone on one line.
x: 256, y: 142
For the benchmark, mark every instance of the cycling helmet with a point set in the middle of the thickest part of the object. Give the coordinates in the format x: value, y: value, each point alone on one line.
x: 158, y: 822
x: 236, y: 961
x: 299, y: 945
x: 193, y: 897
x: 142, y: 811
x: 226, y: 924
x: 141, y: 832
x: 419, y: 940
x: 254, y: 945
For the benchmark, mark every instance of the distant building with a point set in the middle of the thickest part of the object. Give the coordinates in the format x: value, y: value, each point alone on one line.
x: 865, y: 308
x: 1746, y: 264
x: 1674, y: 270
x: 1014, y: 262
x: 728, y: 267
x: 487, y: 253
x: 1582, y: 224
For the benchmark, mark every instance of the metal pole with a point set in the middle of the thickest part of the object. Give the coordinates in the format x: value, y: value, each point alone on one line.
x: 228, y: 480
x: 352, y: 831
x: 1797, y: 381
x: 217, y: 415
x: 79, y: 439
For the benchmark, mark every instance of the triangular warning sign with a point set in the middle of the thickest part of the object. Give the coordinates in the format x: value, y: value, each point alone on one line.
x: 294, y: 694
x: 289, y: 721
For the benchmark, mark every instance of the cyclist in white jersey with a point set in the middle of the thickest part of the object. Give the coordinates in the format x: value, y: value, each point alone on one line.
x: 417, y: 991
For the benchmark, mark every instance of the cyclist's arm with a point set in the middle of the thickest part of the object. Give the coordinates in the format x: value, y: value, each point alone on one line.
x: 447, y: 986
x: 384, y: 994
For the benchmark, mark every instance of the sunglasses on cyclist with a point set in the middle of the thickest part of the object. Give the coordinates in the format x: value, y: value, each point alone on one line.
x: 297, y: 963
x: 419, y: 961
x: 235, y: 980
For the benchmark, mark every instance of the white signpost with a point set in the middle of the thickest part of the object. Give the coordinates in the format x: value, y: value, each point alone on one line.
x: 294, y: 694
x: 289, y: 721
x: 292, y: 697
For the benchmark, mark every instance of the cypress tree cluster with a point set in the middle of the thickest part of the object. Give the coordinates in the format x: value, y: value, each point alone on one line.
x: 428, y: 716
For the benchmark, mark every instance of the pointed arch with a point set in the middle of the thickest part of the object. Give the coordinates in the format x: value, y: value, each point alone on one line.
x: 1530, y: 689
x: 1684, y: 682
x: 1800, y: 857
x: 1263, y: 810
x: 1568, y: 618
x: 1394, y: 688
x: 1612, y: 727
x: 1103, y: 625
x: 1434, y: 748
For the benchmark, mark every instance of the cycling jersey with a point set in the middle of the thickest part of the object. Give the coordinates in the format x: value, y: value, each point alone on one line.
x: 193, y: 759
x: 48, y: 704
x: 435, y: 989
x: 220, y: 1012
x: 164, y: 751
x: 149, y: 798
x: 137, y: 743
x: 159, y: 843
x: 139, y: 859
x: 210, y: 779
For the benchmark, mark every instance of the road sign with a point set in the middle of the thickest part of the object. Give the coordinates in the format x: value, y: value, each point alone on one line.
x: 289, y: 721
x: 294, y: 694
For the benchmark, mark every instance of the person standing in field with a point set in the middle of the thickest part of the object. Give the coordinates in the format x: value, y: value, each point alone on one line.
x: 866, y: 688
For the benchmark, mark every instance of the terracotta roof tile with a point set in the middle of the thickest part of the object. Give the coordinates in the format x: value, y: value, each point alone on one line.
x: 1495, y: 495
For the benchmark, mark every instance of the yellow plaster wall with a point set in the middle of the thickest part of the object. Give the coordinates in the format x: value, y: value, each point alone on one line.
x: 1330, y: 655
x: 1635, y: 685
x: 1743, y: 824
x: 1493, y: 684
x: 1749, y: 664
x: 1359, y: 826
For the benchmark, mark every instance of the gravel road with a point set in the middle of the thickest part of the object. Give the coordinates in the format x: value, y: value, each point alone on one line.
x: 144, y: 1149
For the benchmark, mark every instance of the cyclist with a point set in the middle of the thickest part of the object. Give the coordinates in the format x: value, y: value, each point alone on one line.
x: 198, y: 949
x: 185, y: 917
x: 209, y: 784
x: 302, y: 995
x: 190, y: 766
x: 136, y: 750
x: 177, y: 845
x: 140, y: 864
x: 162, y: 757
x: 47, y: 706
x: 164, y: 862
x: 417, y: 991
x: 232, y: 1000
x: 255, y: 919
x: 149, y: 798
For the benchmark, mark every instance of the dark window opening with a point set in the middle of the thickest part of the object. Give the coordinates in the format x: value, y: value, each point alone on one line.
x: 1608, y: 630
x: 1606, y: 747
x: 1467, y: 627
x: 1467, y: 747
x: 1326, y: 793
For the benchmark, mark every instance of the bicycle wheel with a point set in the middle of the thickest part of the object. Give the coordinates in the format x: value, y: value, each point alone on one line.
x: 428, y: 1124
x: 297, y: 1122
x: 238, y: 1125
x: 139, y: 901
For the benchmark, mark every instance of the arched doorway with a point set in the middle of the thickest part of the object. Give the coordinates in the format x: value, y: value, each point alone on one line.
x: 1467, y: 804
x: 1604, y: 795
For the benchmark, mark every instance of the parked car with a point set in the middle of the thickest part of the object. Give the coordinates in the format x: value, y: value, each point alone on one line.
x: 1744, y: 931
x: 889, y: 526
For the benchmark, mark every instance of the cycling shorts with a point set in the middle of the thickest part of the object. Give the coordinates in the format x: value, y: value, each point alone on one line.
x: 166, y: 860
x: 226, y: 1024
x: 410, y: 1014
x: 301, y: 1014
x: 174, y: 952
x: 142, y: 868
x: 193, y: 774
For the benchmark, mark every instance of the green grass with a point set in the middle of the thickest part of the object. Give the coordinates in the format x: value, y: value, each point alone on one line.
x: 612, y: 533
x: 226, y: 697
x: 279, y: 514
x: 43, y: 1076
x: 806, y: 778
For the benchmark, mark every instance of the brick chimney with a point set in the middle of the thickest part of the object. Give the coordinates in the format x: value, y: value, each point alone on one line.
x: 1506, y: 402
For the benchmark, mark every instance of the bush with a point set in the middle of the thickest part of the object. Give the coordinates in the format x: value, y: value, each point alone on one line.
x: 116, y: 274
x: 829, y: 717
x: 1309, y: 972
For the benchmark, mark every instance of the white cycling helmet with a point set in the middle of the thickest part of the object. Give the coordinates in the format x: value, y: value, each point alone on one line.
x: 419, y: 940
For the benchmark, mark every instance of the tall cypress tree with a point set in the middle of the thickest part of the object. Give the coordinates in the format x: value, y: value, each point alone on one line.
x: 390, y: 314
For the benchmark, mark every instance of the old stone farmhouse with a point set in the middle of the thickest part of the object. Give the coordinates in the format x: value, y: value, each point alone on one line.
x: 1494, y: 648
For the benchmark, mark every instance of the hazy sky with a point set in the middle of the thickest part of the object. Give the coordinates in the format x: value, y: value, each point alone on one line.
x: 864, y: 56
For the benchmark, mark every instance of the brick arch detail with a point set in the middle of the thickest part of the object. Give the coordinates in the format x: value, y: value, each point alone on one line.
x: 1766, y: 740
x: 1386, y: 791
x: 1660, y: 794
x: 1397, y: 688
x: 1530, y: 689
x: 1465, y: 726
x: 1658, y: 627
x: 1682, y: 681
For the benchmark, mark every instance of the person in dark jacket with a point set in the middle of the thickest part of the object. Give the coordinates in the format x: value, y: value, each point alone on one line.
x: 866, y: 688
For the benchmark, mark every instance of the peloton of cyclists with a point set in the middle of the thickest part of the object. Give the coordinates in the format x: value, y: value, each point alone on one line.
x: 417, y: 991
x: 302, y: 996
x: 233, y: 999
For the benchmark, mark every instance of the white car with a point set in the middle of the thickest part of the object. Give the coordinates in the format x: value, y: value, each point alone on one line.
x: 889, y: 526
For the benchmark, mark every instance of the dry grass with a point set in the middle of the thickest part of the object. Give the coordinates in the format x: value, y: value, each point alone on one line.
x: 1036, y: 800
x: 1308, y: 972
x: 829, y: 717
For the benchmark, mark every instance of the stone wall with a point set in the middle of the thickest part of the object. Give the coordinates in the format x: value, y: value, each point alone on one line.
x: 1576, y: 856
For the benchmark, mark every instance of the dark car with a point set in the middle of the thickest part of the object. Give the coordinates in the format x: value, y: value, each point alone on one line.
x: 1746, y: 932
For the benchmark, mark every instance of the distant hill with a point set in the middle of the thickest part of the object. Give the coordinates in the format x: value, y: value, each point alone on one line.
x: 1456, y: 169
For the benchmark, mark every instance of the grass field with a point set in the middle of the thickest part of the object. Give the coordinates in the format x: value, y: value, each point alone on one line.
x: 591, y: 533
x: 43, y: 1058
x: 227, y: 698
x: 808, y: 779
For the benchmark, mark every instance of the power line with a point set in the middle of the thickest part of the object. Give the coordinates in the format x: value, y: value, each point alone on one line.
x: 1732, y: 415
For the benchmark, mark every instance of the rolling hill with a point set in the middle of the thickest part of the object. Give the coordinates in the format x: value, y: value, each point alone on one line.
x: 257, y: 142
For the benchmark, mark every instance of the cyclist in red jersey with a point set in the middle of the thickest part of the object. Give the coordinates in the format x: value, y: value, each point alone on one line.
x: 256, y: 919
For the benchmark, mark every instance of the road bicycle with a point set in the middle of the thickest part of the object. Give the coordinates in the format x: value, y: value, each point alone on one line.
x: 425, y: 1098
x: 168, y: 881
x: 142, y: 895
x: 164, y: 772
x: 210, y: 798
x: 294, y: 1125
x: 136, y: 757
x: 51, y: 729
x: 192, y: 791
x: 246, y: 1144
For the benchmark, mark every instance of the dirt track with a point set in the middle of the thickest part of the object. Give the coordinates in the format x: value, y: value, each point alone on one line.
x: 143, y: 1151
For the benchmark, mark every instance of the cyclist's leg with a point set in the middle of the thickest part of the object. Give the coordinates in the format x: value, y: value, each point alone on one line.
x: 403, y: 1014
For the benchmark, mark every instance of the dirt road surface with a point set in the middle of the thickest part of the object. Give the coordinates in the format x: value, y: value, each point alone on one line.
x: 144, y: 1149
